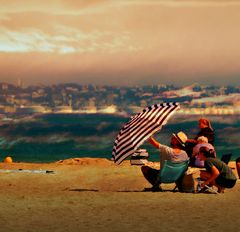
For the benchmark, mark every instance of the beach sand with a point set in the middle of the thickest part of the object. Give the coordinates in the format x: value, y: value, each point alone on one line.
x: 96, y: 195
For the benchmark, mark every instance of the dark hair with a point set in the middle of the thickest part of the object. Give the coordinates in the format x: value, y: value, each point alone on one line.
x: 206, y: 152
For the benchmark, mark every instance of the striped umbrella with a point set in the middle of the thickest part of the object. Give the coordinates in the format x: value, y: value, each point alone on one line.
x: 141, y: 127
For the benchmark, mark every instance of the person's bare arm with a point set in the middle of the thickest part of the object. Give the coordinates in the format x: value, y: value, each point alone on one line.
x: 214, y: 174
x: 154, y: 142
x: 192, y: 141
x: 195, y: 151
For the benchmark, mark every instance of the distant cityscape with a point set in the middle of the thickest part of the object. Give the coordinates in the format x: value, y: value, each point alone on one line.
x: 75, y: 98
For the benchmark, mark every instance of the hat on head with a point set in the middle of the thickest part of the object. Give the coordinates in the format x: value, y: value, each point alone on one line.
x: 181, y: 138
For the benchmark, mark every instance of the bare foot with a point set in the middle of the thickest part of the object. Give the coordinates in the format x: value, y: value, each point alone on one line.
x: 221, y: 189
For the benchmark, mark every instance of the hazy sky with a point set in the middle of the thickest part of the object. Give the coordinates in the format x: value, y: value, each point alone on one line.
x: 120, y: 41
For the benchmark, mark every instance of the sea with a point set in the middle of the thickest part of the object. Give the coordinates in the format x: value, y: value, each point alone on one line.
x: 48, y: 138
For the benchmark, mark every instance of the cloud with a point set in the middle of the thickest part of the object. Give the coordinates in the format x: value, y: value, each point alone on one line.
x: 218, y: 99
x: 150, y: 41
x: 56, y: 6
x: 65, y: 40
x: 183, y: 3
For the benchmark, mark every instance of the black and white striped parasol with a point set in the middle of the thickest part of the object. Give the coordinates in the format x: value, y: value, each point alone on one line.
x: 141, y: 127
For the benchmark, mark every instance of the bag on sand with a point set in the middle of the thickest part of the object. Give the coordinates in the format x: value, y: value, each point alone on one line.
x: 188, y: 183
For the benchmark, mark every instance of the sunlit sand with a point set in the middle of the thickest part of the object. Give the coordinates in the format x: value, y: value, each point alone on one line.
x: 96, y: 195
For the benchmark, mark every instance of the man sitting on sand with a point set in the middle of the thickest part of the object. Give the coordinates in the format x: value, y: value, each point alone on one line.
x: 174, y: 153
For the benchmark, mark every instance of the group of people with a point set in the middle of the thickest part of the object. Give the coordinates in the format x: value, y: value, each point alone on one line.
x: 200, y: 152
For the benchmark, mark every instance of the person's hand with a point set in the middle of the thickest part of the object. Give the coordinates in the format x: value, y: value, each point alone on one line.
x: 149, y: 139
x: 204, y: 183
x: 154, y: 142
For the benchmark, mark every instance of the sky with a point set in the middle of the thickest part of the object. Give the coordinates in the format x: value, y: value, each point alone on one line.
x: 120, y: 42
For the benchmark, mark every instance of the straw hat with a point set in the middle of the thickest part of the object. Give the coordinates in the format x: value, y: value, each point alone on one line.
x: 181, y: 138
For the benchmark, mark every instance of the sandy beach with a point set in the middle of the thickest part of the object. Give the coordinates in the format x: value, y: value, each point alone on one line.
x: 96, y: 195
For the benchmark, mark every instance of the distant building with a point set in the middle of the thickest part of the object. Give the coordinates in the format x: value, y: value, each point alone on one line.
x: 4, y: 86
x: 10, y: 109
x: 2, y: 109
x: 108, y: 109
x: 63, y: 109
x: 88, y: 110
x: 30, y: 109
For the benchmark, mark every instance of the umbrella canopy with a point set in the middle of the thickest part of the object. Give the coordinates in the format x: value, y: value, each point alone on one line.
x: 141, y: 127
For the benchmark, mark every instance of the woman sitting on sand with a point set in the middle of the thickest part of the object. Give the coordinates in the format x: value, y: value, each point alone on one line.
x: 217, y: 172
x: 206, y: 130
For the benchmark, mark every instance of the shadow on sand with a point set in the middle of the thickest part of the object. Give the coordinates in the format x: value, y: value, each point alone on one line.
x: 83, y: 190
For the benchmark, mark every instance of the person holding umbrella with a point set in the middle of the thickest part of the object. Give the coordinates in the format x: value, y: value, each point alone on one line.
x: 174, y: 153
x: 139, y: 128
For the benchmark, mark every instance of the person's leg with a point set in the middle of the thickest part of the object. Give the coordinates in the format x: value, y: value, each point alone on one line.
x: 150, y: 174
x: 223, y: 183
x: 238, y: 166
x: 204, y: 175
x: 219, y: 187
